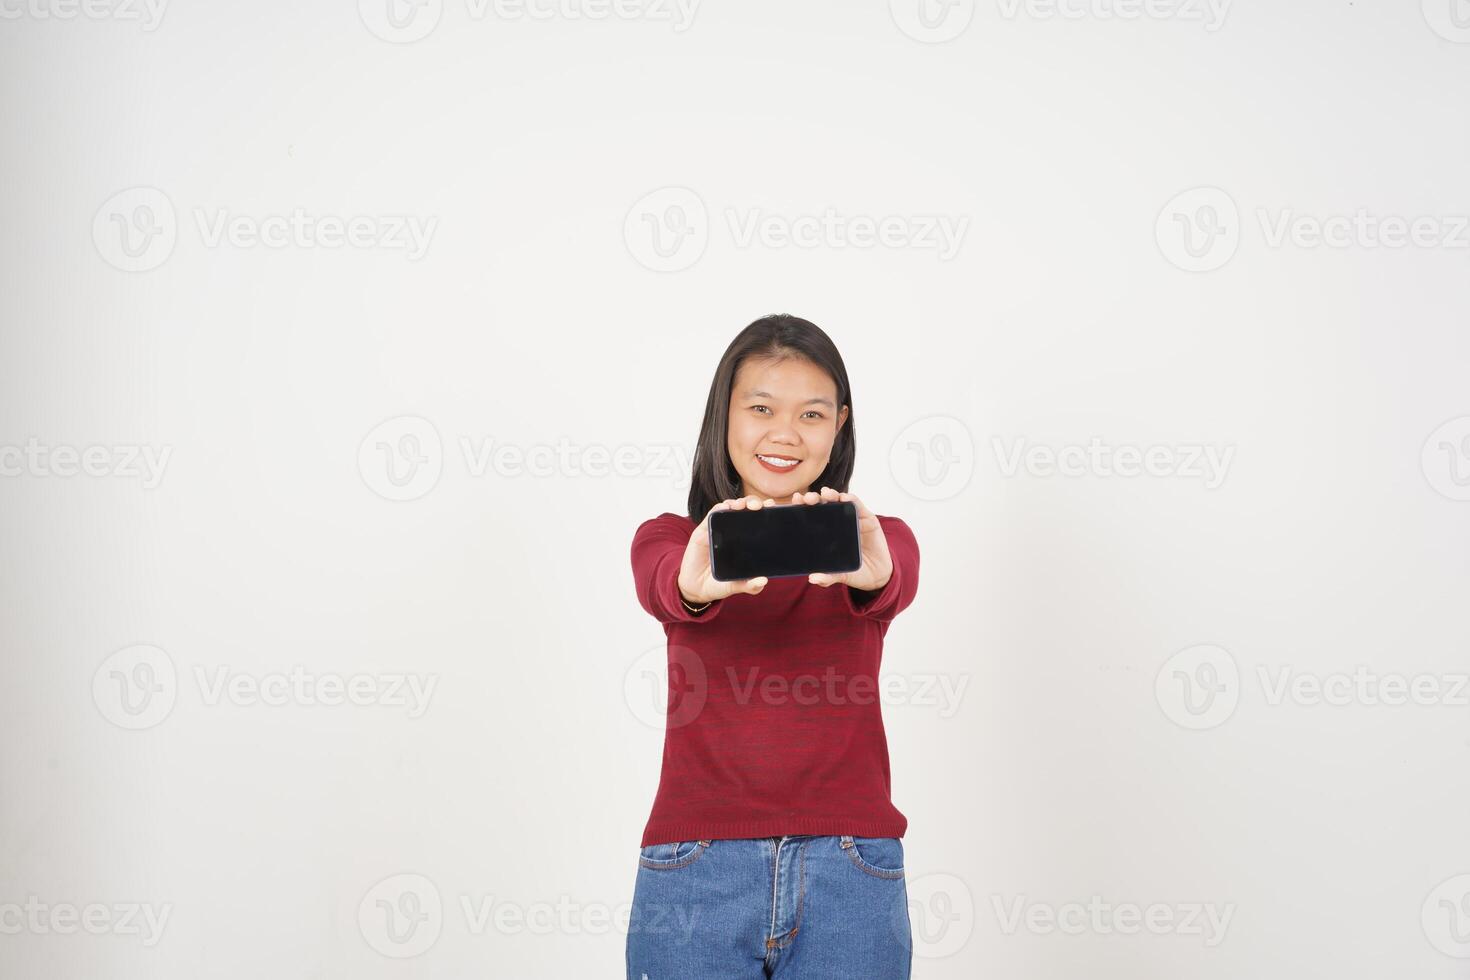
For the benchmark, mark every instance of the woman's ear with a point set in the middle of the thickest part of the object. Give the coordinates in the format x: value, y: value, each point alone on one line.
x: 841, y: 418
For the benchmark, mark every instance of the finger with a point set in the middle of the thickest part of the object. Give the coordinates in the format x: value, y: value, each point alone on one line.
x: 704, y: 524
x: 753, y: 586
x: 829, y: 494
x: 754, y: 503
x: 862, y: 508
x: 812, y: 497
x: 824, y: 580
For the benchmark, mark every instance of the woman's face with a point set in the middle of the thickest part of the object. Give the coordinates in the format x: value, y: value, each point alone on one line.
x: 782, y: 410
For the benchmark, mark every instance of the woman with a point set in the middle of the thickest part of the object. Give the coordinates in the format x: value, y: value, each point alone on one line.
x: 773, y: 849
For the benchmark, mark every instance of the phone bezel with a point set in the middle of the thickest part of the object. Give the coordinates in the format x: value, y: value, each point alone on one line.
x: 856, y: 530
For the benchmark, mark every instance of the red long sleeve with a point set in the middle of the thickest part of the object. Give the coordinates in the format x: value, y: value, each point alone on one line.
x: 774, y: 724
x: 658, y: 551
x: 902, y: 585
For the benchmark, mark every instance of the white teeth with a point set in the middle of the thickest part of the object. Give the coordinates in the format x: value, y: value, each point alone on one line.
x: 777, y: 462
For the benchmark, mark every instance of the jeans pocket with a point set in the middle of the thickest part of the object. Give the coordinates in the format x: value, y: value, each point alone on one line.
x: 666, y: 857
x: 881, y: 857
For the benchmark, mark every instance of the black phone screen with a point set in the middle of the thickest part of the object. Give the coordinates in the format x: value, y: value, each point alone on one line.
x: 787, y: 539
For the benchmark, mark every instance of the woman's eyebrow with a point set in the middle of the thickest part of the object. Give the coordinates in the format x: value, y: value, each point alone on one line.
x: 767, y: 394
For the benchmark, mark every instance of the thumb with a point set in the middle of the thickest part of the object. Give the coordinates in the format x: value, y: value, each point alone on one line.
x: 753, y: 586
x: 823, y: 579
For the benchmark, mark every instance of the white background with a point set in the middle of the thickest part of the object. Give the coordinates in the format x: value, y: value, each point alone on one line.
x: 538, y: 313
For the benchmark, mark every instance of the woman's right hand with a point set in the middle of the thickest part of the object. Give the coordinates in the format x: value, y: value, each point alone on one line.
x: 695, y: 581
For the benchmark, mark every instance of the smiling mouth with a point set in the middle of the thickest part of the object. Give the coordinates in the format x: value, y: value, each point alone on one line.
x: 778, y: 462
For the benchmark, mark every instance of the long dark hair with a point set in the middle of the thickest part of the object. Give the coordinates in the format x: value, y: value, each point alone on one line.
x: 777, y: 336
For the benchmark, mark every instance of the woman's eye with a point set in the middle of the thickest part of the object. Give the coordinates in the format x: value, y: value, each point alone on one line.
x: 813, y: 413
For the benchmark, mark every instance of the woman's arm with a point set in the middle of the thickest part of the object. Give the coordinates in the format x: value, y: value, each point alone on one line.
x: 903, y: 583
x: 658, y: 552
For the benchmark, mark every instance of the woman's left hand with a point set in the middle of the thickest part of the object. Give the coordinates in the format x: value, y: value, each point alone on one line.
x: 877, y: 565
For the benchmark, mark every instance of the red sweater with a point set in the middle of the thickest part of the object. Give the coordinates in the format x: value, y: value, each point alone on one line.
x: 774, y: 724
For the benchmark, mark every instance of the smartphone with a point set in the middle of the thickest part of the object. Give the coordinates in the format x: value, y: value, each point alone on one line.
x: 784, y: 540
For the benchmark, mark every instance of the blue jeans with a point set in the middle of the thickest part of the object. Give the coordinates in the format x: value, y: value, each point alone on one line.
x: 801, y: 907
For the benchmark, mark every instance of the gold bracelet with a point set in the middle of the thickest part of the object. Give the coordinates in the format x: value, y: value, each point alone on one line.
x: 693, y: 609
